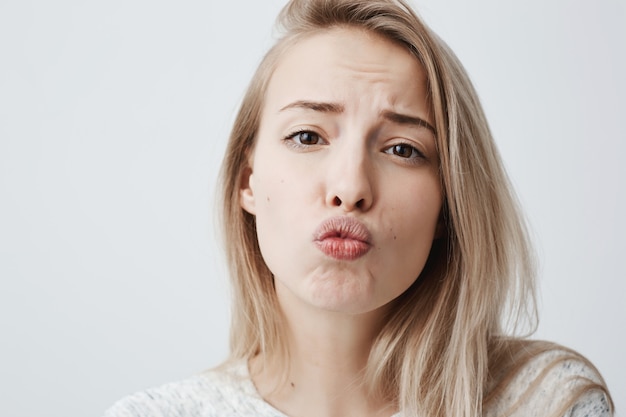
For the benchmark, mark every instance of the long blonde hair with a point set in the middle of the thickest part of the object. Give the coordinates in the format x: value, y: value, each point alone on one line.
x: 445, y: 333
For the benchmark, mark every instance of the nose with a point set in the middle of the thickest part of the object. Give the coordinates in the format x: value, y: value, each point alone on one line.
x: 350, y: 183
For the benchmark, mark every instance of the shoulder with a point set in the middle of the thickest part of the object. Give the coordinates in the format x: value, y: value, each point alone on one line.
x: 224, y: 391
x: 545, y: 379
x: 177, y: 399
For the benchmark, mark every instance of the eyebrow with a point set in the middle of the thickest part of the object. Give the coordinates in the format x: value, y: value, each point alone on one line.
x: 315, y: 105
x: 404, y: 119
x: 398, y: 118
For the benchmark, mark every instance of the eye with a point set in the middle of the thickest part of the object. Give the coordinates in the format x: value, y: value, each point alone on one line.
x: 404, y: 150
x: 304, y: 138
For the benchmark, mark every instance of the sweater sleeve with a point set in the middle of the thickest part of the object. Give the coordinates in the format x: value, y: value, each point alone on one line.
x: 549, y: 382
x: 185, y: 398
x: 592, y: 404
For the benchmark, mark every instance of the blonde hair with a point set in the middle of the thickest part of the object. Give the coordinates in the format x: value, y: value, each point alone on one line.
x: 446, y: 333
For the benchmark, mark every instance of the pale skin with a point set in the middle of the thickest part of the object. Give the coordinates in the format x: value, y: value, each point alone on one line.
x: 346, y: 130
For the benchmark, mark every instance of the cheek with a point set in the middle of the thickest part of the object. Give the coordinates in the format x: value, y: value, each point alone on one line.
x: 279, y: 196
x: 417, y: 206
x: 412, y: 224
x: 285, y: 188
x: 283, y: 213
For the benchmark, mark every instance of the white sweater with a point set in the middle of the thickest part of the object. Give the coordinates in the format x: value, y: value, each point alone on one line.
x: 230, y: 392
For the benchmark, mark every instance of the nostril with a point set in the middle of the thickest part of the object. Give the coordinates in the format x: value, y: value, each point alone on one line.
x: 337, y: 201
x: 359, y: 204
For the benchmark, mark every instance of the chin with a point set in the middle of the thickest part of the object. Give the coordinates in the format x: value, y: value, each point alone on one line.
x: 344, y: 296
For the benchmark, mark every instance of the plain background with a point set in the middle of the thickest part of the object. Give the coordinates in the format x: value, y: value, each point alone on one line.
x: 113, y: 120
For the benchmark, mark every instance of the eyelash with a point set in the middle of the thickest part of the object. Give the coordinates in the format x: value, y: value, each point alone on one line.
x: 291, y: 139
x: 416, y: 154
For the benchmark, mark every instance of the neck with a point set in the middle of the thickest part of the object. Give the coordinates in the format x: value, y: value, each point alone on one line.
x: 328, y: 353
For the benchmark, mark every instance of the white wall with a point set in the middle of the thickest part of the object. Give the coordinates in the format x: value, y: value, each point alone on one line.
x: 113, y: 119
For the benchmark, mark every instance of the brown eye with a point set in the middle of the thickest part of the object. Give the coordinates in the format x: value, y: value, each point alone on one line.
x: 306, y: 138
x: 404, y: 151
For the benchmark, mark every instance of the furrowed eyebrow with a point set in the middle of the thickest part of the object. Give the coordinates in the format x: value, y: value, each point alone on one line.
x: 315, y: 106
x: 404, y: 119
x: 392, y: 116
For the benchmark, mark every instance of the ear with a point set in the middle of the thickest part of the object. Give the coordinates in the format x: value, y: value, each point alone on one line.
x: 246, y: 191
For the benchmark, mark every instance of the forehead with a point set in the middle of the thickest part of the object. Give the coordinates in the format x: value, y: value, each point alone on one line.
x: 342, y: 58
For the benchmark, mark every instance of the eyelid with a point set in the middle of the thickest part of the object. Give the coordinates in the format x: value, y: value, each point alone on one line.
x: 420, y: 155
x: 419, y: 138
x: 289, y: 138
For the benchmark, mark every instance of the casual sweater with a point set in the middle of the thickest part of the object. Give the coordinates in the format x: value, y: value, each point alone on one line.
x: 229, y: 392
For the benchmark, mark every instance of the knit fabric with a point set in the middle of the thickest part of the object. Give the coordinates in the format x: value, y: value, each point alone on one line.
x: 229, y: 392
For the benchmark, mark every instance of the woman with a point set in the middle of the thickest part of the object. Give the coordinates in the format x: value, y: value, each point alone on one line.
x: 376, y: 248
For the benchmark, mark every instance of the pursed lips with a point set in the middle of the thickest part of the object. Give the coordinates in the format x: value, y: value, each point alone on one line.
x: 343, y: 238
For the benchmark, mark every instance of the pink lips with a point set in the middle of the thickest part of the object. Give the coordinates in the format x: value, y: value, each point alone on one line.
x: 343, y: 238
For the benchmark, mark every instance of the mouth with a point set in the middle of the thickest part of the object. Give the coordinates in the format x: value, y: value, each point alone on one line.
x: 343, y: 238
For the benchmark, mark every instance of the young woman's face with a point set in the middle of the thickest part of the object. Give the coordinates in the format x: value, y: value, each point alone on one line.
x: 343, y: 178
